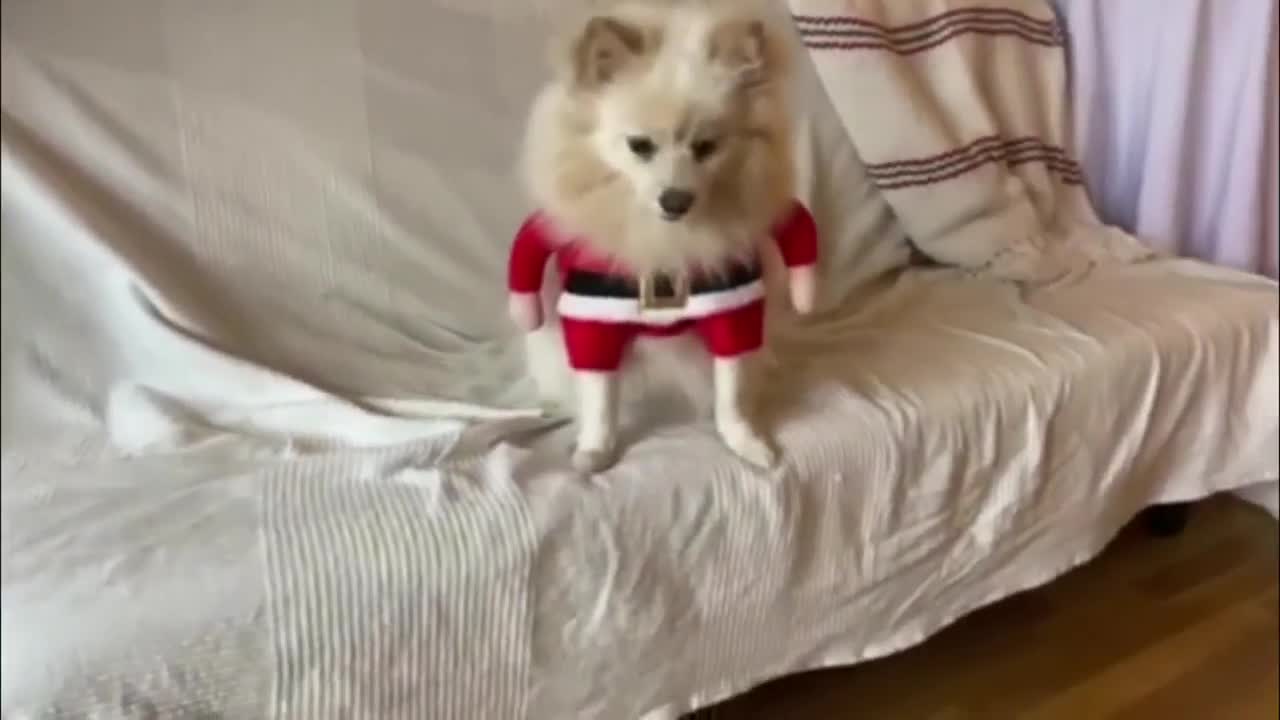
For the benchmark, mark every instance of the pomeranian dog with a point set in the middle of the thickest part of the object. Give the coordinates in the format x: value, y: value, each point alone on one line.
x: 659, y: 158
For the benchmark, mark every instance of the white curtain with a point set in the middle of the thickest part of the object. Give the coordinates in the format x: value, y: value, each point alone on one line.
x: 1176, y: 122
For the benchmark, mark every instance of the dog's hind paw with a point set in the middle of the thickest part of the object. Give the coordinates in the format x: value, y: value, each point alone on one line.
x: 748, y: 445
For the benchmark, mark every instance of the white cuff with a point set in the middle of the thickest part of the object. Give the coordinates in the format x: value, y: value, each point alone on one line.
x: 525, y: 310
x: 803, y: 281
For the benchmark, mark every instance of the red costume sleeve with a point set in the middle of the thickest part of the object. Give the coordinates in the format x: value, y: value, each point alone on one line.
x: 797, y: 237
x: 529, y: 255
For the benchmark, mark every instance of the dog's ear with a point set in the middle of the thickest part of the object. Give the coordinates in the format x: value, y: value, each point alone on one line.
x: 604, y: 47
x: 746, y: 49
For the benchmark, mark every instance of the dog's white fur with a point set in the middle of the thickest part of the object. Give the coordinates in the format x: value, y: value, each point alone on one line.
x: 705, y: 83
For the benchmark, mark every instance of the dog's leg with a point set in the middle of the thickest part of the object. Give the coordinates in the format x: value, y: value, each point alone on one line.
x: 548, y: 365
x: 597, y: 420
x: 732, y: 416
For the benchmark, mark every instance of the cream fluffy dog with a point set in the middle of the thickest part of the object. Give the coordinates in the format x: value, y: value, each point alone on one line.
x: 660, y: 151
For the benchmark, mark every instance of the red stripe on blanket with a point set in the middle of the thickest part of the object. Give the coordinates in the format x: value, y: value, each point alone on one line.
x: 984, y: 151
x: 949, y: 34
x: 852, y: 33
x: 1065, y: 173
x: 965, y: 154
x: 1005, y: 13
x: 916, y: 38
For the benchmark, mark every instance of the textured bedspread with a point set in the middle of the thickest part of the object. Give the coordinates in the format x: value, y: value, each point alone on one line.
x: 948, y: 444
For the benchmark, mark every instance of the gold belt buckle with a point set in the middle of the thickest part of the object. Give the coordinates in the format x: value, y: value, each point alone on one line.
x: 663, y: 292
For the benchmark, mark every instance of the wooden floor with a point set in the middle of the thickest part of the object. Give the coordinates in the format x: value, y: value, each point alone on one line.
x: 1183, y: 627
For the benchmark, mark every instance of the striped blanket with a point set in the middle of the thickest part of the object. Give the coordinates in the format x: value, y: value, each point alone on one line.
x: 958, y: 108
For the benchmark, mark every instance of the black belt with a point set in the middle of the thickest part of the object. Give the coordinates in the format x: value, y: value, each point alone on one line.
x: 594, y: 284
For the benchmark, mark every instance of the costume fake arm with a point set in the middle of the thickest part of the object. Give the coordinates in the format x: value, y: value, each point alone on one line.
x: 797, y: 238
x: 525, y: 268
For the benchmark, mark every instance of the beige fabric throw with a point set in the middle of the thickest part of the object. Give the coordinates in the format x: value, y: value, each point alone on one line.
x: 958, y: 108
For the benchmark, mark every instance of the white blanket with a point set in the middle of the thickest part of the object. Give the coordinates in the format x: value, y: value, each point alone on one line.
x: 979, y: 445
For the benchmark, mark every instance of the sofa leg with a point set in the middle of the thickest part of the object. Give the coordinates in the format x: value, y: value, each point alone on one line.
x: 1167, y: 520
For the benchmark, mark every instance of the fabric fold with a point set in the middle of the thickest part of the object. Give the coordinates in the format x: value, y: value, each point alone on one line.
x: 959, y: 109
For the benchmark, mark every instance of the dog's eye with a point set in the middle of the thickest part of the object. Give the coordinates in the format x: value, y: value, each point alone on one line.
x: 643, y: 147
x: 703, y: 149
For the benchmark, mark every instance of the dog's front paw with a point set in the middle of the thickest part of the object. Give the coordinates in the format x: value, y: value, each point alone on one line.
x: 747, y: 444
x: 593, y: 460
x: 594, y: 452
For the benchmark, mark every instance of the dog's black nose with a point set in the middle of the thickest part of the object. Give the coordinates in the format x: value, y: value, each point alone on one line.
x: 675, y: 203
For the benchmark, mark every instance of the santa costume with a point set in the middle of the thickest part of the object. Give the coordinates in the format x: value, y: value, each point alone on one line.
x: 603, y: 307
